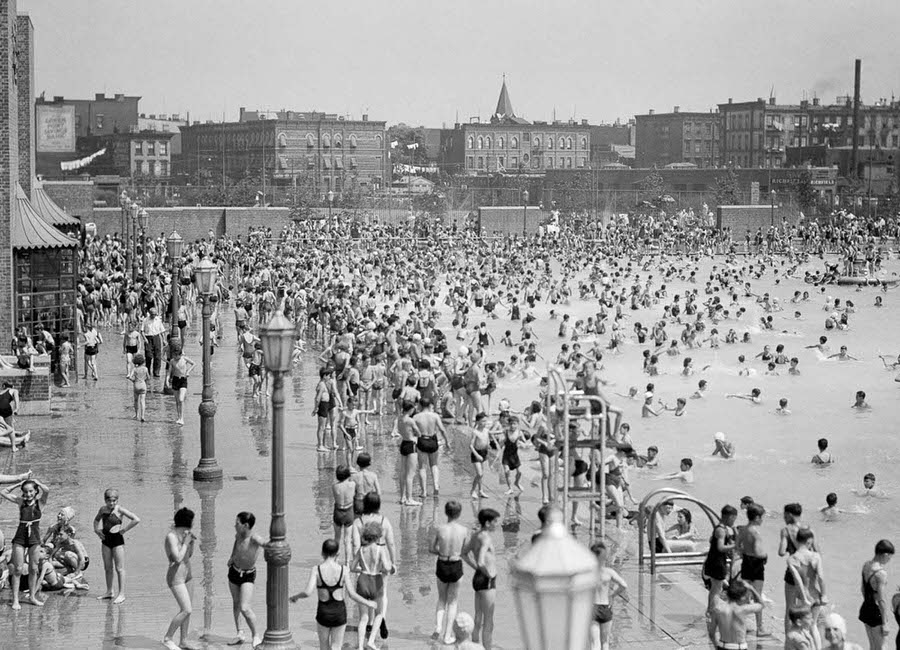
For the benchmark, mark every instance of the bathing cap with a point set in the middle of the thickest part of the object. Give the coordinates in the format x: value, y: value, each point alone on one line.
x: 720, y: 436
x: 463, y: 625
x: 68, y: 512
x: 463, y: 350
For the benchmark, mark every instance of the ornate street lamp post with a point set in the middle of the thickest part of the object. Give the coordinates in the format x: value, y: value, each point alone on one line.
x: 126, y: 218
x: 278, y: 342
x: 524, y: 213
x: 553, y: 585
x: 174, y: 245
x: 772, y: 194
x: 207, y: 469
x: 330, y: 198
x: 142, y: 222
x: 135, y: 209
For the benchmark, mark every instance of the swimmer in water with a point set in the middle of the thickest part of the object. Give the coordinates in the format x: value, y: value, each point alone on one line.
x: 783, y: 407
x: 651, y: 460
x: 647, y: 408
x: 793, y: 370
x: 755, y: 396
x: 890, y: 366
x: 724, y: 448
x: 869, y: 489
x: 632, y: 393
x: 861, y: 402
x: 679, y: 408
x: 830, y: 510
x: 700, y: 393
x: 685, y: 473
x: 824, y: 457
x: 821, y: 346
x: 842, y: 355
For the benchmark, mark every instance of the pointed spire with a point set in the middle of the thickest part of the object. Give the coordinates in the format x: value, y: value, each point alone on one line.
x: 504, y: 105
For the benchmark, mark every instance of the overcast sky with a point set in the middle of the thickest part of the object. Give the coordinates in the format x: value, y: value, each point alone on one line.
x: 424, y: 62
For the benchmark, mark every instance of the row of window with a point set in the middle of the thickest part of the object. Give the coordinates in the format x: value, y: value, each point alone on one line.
x: 285, y: 163
x: 563, y: 162
x: 151, y: 148
x: 486, y: 142
x: 698, y: 146
x: 328, y: 141
x: 699, y: 128
x: 152, y: 167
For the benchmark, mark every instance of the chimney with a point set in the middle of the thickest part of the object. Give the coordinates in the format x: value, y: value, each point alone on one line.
x: 771, y: 101
x: 365, y: 117
x: 854, y: 161
x: 120, y: 97
x: 584, y: 122
x: 729, y: 100
x: 815, y: 101
x: 651, y: 112
x: 676, y: 109
x: 57, y: 98
x: 99, y: 96
x: 804, y: 103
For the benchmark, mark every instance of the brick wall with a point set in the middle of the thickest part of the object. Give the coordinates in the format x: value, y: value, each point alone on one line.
x: 195, y: 223
x: 25, y: 101
x: 9, y: 160
x: 508, y: 220
x: 75, y: 197
x: 740, y: 218
x: 33, y: 387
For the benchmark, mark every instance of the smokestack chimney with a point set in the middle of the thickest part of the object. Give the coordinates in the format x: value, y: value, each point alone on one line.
x: 855, y: 157
x: 650, y: 112
x: 676, y: 109
x: 815, y: 101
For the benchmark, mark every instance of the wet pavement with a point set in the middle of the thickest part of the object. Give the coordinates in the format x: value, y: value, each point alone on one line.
x: 91, y: 443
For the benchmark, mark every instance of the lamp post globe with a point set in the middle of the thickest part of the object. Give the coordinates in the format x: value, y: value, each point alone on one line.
x: 174, y: 245
x: 524, y: 212
x: 208, y: 468
x: 277, y: 338
x: 553, y: 587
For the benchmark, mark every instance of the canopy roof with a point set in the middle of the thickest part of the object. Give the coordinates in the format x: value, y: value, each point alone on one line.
x: 30, y: 231
x: 49, y: 211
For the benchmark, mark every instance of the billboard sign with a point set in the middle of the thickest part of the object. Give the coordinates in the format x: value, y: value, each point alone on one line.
x: 55, y: 129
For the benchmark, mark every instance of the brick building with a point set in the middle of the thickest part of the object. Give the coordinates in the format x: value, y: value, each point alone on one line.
x: 102, y: 115
x: 164, y: 124
x: 510, y: 143
x: 678, y: 137
x: 323, y: 149
x: 758, y: 133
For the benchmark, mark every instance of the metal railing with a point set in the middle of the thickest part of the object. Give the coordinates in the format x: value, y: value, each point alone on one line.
x: 648, y: 529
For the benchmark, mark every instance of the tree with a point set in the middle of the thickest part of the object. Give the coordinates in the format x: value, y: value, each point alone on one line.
x: 652, y: 187
x: 727, y: 192
x: 806, y: 194
x: 410, y: 149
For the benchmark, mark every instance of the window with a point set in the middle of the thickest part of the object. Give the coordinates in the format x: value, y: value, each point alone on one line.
x: 582, y: 162
x: 514, y: 142
x: 697, y: 145
x: 480, y: 142
x: 536, y: 143
x: 379, y: 142
x: 562, y: 143
x: 310, y: 142
x: 525, y: 158
x: 150, y: 148
x: 584, y: 143
x: 99, y: 121
x: 470, y: 143
x: 514, y: 161
x: 139, y: 148
x: 487, y: 142
x: 145, y: 167
x: 569, y: 162
x: 470, y: 161
x: 353, y: 142
x: 569, y: 144
x: 164, y: 168
x: 163, y: 148
x: 326, y: 163
x: 550, y: 142
x: 282, y: 140
x: 501, y: 142
x: 687, y: 145
x: 480, y: 161
x: 895, y: 141
x: 549, y: 163
x: 353, y: 164
x: 536, y: 162
x: 338, y: 143
x: 501, y: 162
x: 326, y: 141
x: 338, y: 163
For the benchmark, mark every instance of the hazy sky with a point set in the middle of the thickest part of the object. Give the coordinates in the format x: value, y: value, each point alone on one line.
x: 422, y: 61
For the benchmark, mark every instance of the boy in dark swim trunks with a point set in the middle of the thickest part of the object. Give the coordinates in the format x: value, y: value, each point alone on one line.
x: 242, y: 575
x: 448, y: 543
x: 602, y: 623
x: 479, y: 554
x: 721, y: 545
x: 753, y: 556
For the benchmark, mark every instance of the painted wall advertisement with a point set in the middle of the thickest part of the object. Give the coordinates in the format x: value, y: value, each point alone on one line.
x: 55, y: 129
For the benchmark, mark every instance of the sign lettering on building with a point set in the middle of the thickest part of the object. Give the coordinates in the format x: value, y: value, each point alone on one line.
x: 55, y: 129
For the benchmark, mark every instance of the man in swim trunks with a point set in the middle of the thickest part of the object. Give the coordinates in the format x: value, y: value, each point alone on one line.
x: 716, y: 565
x: 448, y: 543
x: 728, y: 616
x: 874, y: 611
x: 427, y: 445
x: 242, y: 575
x: 409, y: 433
x: 602, y: 623
x: 479, y: 554
x: 753, y: 556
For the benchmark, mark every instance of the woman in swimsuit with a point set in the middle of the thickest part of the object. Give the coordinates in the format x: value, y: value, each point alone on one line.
x: 179, y: 548
x: 179, y: 369
x: 9, y: 404
x: 510, y: 458
x: 343, y: 491
x: 27, y: 539
x: 372, y: 564
x: 545, y: 444
x: 329, y: 581
x: 92, y: 341
x: 139, y: 375
x: 110, y: 525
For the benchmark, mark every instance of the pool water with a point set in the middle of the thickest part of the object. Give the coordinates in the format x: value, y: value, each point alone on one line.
x: 773, y: 452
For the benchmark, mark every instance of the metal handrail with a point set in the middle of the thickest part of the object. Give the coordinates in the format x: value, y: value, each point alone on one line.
x: 674, y: 495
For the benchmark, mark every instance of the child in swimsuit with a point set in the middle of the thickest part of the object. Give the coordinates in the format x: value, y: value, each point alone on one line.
x: 344, y: 491
x: 179, y: 548
x: 372, y: 563
x: 110, y: 525
x: 27, y: 540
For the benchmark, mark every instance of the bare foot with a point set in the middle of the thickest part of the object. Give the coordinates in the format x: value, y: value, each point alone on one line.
x: 16, y: 606
x: 34, y: 601
x: 119, y: 599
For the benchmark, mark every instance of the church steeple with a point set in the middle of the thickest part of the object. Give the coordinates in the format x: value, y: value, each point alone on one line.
x: 504, y: 105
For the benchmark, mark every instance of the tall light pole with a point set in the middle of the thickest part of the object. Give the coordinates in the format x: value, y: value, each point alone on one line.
x: 126, y: 219
x: 174, y: 245
x: 135, y: 208
x: 142, y: 222
x: 524, y: 213
x: 278, y: 341
x: 123, y: 204
x: 330, y: 198
x: 772, y: 194
x: 207, y: 469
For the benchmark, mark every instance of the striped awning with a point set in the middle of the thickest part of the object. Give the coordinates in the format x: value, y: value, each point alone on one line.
x: 30, y: 231
x: 49, y: 211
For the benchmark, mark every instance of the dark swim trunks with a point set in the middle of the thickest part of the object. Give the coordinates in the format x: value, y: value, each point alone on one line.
x: 449, y: 571
x: 753, y: 568
x: 602, y: 613
x: 237, y: 577
x: 479, y: 457
x: 407, y: 447
x: 481, y: 581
